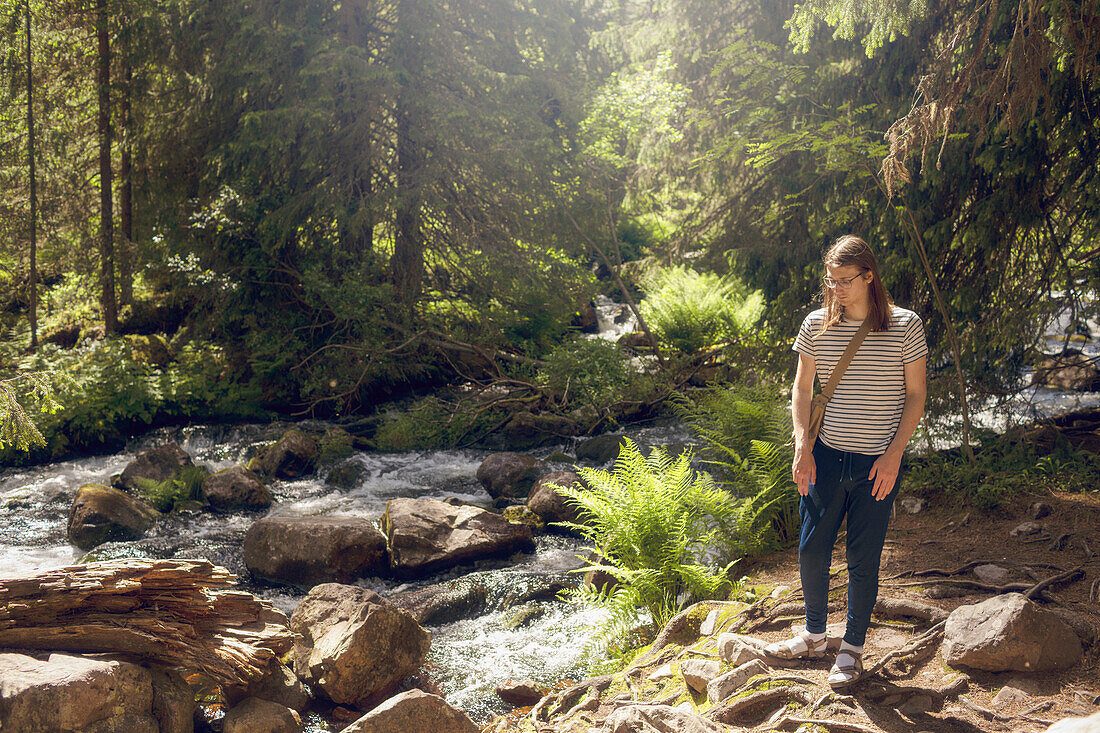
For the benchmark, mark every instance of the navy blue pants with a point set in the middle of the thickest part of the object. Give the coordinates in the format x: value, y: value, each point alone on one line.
x: 842, y: 488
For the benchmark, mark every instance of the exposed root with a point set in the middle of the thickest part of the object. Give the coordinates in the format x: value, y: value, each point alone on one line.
x: 1002, y: 718
x: 919, y: 646
x: 967, y: 568
x: 903, y: 607
x: 1067, y: 577
x: 792, y: 721
x: 730, y: 712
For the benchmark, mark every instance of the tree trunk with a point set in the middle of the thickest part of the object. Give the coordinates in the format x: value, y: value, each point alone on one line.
x: 126, y: 191
x: 181, y: 613
x: 32, y: 285
x: 106, y: 213
x: 407, y: 263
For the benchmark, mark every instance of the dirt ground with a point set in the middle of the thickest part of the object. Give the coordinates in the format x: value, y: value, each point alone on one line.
x: 949, y: 539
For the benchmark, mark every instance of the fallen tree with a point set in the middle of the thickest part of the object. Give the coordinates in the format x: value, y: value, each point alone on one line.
x: 183, y: 614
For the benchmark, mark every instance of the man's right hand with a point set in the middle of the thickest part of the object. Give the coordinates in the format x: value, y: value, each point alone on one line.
x: 803, y: 469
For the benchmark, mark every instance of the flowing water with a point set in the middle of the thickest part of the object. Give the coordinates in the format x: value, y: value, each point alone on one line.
x: 514, y: 639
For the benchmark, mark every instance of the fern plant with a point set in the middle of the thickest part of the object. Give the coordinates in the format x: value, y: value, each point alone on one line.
x: 745, y: 432
x: 690, y: 311
x: 654, y: 521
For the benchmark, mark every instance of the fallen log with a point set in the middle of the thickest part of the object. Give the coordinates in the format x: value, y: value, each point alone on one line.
x: 184, y: 614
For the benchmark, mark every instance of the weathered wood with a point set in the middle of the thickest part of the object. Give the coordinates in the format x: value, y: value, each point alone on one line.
x: 184, y: 614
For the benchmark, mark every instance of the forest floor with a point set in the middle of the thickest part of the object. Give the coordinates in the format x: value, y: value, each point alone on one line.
x: 953, y: 540
x: 927, y: 562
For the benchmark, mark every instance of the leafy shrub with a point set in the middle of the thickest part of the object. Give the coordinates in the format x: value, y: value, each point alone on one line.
x: 433, y: 422
x: 591, y: 372
x: 690, y: 311
x: 654, y: 521
x: 107, y: 388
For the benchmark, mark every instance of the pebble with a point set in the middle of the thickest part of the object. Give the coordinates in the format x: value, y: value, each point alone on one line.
x: 1008, y: 696
x: 990, y: 573
x: 1040, y: 509
x: 1027, y: 528
x: 912, y: 504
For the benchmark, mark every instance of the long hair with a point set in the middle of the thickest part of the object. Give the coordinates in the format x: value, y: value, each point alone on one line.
x: 851, y: 251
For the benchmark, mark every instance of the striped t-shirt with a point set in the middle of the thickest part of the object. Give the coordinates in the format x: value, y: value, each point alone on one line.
x: 865, y: 411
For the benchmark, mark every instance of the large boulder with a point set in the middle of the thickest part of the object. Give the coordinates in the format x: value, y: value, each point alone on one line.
x: 548, y: 503
x: 235, y: 488
x: 601, y: 449
x: 156, y: 464
x: 426, y: 535
x: 527, y: 429
x: 294, y: 456
x: 663, y: 718
x: 1009, y: 633
x: 305, y: 551
x: 101, y: 513
x: 509, y: 475
x: 354, y: 645
x: 261, y: 716
x: 414, y: 710
x: 173, y: 701
x: 73, y: 693
x: 446, y: 602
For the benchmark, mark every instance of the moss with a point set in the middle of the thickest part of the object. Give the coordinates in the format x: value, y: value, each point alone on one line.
x: 522, y: 515
x: 335, y: 444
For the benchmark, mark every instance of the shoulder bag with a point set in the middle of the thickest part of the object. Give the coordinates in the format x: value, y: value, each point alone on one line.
x: 821, y: 400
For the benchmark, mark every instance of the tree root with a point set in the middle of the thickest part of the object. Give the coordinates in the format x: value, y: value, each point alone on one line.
x: 903, y: 607
x: 967, y: 568
x: 729, y: 713
x: 913, y: 649
x: 1002, y: 718
x: 795, y: 721
x: 1067, y: 577
x: 1032, y: 591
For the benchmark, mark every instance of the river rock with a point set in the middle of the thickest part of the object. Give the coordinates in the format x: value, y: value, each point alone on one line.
x: 294, y: 456
x: 1009, y: 633
x: 1071, y: 371
x: 912, y: 504
x: 552, y: 506
x: 1026, y: 529
x: 521, y: 694
x: 354, y: 644
x: 737, y: 649
x: 601, y: 449
x: 414, y: 710
x: 444, y: 603
x: 305, y: 551
x: 1091, y: 724
x: 527, y: 429
x: 156, y: 464
x: 235, y: 488
x: 509, y: 475
x: 101, y: 513
x: 636, y: 718
x: 426, y: 535
x: 1040, y: 509
x: 277, y: 684
x: 74, y: 693
x: 698, y: 673
x: 261, y: 716
x: 721, y: 687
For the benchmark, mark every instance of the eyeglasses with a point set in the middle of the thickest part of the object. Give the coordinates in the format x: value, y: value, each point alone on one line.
x: 840, y: 283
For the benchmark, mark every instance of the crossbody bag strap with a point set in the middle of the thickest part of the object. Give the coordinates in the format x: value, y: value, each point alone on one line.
x: 845, y: 359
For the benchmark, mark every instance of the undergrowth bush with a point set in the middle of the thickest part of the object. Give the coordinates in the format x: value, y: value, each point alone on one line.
x: 591, y: 372
x: 108, y: 388
x: 654, y: 521
x: 433, y: 422
x: 690, y: 311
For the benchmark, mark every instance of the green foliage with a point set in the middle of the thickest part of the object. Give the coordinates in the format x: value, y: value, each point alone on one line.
x: 690, y: 311
x: 881, y: 21
x: 107, y: 389
x: 17, y: 428
x: 591, y: 372
x: 184, y: 486
x: 1007, y: 468
x: 654, y: 521
x: 433, y: 422
x: 745, y: 431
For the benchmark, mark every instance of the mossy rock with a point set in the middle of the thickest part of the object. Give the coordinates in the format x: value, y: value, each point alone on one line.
x: 335, y: 444
x: 524, y: 615
x: 152, y: 350
x: 519, y: 514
